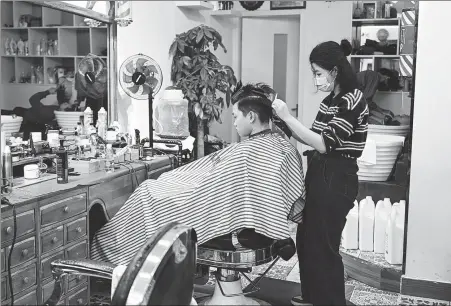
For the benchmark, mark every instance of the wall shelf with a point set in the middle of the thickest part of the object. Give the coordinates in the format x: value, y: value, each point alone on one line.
x: 376, y: 21
x: 74, y: 38
x: 195, y: 5
x: 256, y: 14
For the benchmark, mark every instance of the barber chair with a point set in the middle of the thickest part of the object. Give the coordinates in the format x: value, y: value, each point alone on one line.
x: 161, y: 273
x: 164, y: 270
x: 234, y: 255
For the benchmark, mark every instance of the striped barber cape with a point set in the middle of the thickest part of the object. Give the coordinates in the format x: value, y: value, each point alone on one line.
x: 257, y: 183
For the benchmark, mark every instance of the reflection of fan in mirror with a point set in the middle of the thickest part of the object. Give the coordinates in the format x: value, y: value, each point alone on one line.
x: 140, y: 76
x: 92, y: 77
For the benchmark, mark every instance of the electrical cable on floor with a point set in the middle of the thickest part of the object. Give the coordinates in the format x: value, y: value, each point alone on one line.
x: 10, y: 279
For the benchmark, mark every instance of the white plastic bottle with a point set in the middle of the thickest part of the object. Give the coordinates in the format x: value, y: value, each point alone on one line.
x: 394, y: 237
x: 351, y: 231
x: 366, y: 225
x: 88, y: 119
x: 402, y: 206
x: 381, y: 216
x: 102, y: 123
x: 109, y: 158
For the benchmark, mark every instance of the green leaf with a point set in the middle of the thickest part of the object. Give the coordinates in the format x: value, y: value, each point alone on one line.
x: 199, y: 36
x: 204, y: 74
x: 173, y: 48
x: 228, y: 97
x: 208, y: 33
x: 186, y: 60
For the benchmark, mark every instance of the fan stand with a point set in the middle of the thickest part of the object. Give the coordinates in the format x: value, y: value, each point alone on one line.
x: 151, y: 123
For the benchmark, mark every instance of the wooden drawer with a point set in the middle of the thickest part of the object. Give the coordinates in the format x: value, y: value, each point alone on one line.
x: 46, y: 268
x: 3, y: 259
x: 23, y: 251
x: 25, y: 224
x: 4, y: 288
x: 79, y: 298
x: 47, y: 291
x: 75, y: 280
x: 28, y: 299
x: 77, y: 251
x: 24, y: 279
x: 52, y: 239
x: 75, y: 230
x: 63, y: 209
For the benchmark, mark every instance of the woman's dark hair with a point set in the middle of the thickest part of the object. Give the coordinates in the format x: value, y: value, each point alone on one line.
x: 329, y: 55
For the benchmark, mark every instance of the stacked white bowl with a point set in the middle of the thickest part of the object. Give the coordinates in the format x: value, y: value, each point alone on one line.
x: 11, y: 125
x: 387, y: 149
x: 400, y: 130
x: 68, y: 120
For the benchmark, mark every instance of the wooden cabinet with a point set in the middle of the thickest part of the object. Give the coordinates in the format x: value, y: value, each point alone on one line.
x: 52, y: 226
x: 59, y: 232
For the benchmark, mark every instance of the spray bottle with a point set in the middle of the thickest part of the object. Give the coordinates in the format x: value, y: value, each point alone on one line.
x: 102, y: 123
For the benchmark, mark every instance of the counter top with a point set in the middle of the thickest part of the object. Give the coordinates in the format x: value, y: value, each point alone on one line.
x: 25, y: 194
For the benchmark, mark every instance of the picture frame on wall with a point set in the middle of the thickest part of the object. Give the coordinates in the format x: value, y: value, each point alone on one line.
x: 287, y: 5
x: 369, y: 10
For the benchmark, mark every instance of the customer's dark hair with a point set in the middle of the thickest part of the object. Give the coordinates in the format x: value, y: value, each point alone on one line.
x: 254, y: 97
x: 329, y: 55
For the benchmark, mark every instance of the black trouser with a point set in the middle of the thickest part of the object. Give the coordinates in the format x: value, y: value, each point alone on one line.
x: 331, y: 185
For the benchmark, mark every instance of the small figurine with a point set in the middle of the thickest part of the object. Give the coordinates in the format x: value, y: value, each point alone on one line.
x: 7, y: 46
x: 13, y: 47
x: 27, y: 50
x: 20, y: 47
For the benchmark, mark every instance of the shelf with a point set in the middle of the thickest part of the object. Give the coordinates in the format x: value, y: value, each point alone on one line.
x: 375, y: 56
x: 256, y: 14
x: 195, y: 5
x: 377, y: 21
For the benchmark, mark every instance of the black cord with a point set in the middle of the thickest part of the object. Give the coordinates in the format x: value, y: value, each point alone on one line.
x: 10, y: 279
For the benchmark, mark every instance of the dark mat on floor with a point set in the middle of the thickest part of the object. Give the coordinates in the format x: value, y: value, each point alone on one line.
x: 279, y: 292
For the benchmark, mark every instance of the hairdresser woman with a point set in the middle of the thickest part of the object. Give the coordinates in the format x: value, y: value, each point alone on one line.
x: 338, y: 136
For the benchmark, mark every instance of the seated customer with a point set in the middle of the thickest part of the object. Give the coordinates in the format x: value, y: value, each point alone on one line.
x: 256, y: 184
x: 38, y: 115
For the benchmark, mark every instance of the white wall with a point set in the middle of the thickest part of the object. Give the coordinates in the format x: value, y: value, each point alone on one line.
x: 155, y: 24
x: 429, y: 228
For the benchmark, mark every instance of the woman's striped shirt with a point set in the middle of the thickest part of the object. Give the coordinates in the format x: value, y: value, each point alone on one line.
x: 342, y: 122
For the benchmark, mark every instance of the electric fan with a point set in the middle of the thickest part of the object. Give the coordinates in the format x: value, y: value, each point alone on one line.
x: 92, y: 77
x: 141, y: 78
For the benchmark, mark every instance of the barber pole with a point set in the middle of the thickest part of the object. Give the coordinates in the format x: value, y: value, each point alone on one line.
x: 406, y: 65
x: 408, y: 22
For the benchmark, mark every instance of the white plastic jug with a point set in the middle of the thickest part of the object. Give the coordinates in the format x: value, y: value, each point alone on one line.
x: 381, y: 217
x: 394, y: 237
x: 366, y: 225
x: 351, y: 231
x: 171, y: 114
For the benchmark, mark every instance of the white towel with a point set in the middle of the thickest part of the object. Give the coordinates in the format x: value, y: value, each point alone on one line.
x: 369, y: 153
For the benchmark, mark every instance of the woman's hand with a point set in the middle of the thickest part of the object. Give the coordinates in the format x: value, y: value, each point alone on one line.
x: 281, y: 109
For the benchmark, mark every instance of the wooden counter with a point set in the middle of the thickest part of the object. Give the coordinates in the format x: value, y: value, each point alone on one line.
x: 53, y: 223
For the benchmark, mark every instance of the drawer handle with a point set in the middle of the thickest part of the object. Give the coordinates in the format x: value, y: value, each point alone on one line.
x: 26, y: 280
x: 66, y: 209
x: 8, y: 230
x: 24, y: 253
x: 78, y: 229
x: 80, y: 301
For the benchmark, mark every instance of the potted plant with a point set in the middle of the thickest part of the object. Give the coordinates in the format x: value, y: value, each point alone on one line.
x: 205, y: 82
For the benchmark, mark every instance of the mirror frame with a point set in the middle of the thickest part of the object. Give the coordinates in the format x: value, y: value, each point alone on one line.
x: 108, y: 19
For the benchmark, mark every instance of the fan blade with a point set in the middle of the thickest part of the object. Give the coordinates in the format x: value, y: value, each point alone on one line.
x: 133, y: 89
x: 127, y: 78
x: 153, y: 69
x: 152, y: 82
x: 140, y: 91
x: 146, y: 89
x: 130, y: 68
x: 140, y: 64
